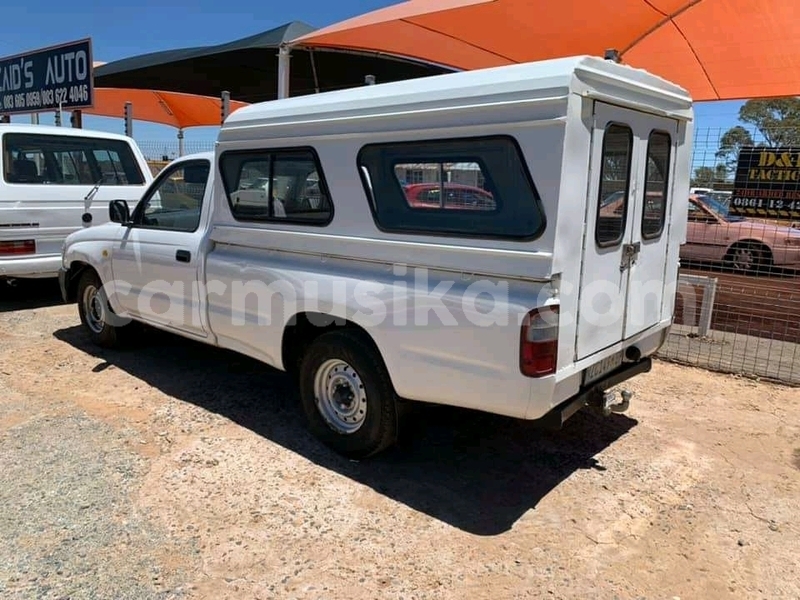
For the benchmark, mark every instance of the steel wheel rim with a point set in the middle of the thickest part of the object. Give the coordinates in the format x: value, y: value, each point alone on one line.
x: 340, y: 396
x: 743, y: 259
x: 94, y: 309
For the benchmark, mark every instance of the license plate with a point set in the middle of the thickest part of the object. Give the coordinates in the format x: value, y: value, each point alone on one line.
x: 605, y: 366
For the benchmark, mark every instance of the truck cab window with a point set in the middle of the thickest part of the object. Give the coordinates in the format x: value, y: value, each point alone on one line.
x: 276, y: 185
x: 177, y: 199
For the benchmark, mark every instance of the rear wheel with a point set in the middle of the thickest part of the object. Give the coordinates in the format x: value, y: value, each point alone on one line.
x: 347, y: 395
x: 95, y: 312
x: 748, y: 258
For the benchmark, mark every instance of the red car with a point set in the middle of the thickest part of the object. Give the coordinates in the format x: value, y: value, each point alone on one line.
x: 456, y: 196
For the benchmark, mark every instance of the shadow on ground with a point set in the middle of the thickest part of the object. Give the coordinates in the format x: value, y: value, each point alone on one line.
x: 477, y: 472
x: 29, y: 293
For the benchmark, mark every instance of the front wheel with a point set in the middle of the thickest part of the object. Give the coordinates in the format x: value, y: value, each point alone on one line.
x: 95, y: 312
x: 347, y: 395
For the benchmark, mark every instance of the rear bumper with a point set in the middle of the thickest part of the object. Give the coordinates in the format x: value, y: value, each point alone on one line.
x: 32, y: 266
x: 559, y: 415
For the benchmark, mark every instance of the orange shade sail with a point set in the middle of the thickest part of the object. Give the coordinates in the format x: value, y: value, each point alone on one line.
x: 716, y: 49
x: 156, y: 106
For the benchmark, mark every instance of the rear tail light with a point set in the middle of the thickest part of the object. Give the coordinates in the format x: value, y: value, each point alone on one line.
x: 17, y: 247
x: 538, y: 348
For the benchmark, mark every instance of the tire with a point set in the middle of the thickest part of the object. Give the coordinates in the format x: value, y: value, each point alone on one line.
x: 748, y: 258
x: 347, y: 395
x: 95, y: 312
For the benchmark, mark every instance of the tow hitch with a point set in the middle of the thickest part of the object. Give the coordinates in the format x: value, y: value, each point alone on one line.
x: 608, y: 404
x: 596, y: 398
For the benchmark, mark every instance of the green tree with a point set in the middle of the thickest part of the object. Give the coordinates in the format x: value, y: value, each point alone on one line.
x: 707, y: 176
x: 777, y: 119
x: 730, y: 144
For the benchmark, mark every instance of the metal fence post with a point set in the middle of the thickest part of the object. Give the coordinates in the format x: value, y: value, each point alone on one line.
x: 707, y: 308
x: 129, y: 119
x: 226, y: 105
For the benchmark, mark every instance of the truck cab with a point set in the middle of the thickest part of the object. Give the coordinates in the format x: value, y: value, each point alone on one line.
x: 503, y: 240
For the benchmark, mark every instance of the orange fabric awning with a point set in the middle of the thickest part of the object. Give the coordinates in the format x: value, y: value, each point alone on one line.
x: 156, y: 106
x: 716, y: 49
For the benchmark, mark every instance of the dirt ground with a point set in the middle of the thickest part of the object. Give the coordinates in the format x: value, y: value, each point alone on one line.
x: 173, y: 470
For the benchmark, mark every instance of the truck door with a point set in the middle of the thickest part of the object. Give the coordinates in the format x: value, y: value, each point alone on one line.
x: 157, y: 258
x: 626, y: 241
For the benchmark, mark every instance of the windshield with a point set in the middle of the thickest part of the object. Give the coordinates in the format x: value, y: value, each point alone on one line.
x: 716, y: 205
x: 723, y: 198
x: 720, y: 204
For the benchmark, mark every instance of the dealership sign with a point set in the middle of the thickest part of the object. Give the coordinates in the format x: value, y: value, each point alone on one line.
x: 767, y: 183
x: 46, y: 79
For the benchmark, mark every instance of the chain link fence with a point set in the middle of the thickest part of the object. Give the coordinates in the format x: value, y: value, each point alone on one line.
x: 740, y: 274
x: 738, y: 301
x: 161, y: 152
x: 729, y: 323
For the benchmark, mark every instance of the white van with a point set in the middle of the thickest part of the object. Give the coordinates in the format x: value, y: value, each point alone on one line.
x: 503, y: 240
x: 50, y: 177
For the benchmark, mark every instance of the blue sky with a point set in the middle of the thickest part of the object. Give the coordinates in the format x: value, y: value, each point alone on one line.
x: 122, y: 29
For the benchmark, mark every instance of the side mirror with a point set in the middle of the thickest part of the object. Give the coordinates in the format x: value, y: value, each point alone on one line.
x: 119, y: 212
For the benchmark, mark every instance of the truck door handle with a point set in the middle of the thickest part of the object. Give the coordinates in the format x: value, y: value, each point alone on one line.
x: 629, y: 254
x: 183, y: 256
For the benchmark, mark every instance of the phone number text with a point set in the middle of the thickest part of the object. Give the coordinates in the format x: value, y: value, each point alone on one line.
x: 46, y: 98
x: 766, y: 203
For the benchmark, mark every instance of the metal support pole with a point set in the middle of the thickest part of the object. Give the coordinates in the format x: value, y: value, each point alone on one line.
x: 180, y: 143
x: 226, y: 105
x: 314, y: 70
x: 128, y: 116
x: 284, y: 70
x: 34, y: 118
x: 77, y: 119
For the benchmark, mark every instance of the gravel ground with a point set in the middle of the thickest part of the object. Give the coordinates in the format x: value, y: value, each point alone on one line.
x: 173, y: 470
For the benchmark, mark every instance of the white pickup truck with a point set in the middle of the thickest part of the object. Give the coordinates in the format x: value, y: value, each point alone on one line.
x: 50, y: 176
x: 446, y: 240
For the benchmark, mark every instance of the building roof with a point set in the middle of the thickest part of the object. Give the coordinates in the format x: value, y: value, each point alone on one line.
x: 248, y: 68
x: 265, y: 40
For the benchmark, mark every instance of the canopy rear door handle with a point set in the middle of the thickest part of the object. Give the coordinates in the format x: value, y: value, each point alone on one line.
x: 183, y: 256
x: 629, y: 254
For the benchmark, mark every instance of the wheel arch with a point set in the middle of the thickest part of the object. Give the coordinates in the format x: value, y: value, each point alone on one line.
x: 89, y: 255
x: 305, y: 326
x: 749, y: 242
x: 73, y: 276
